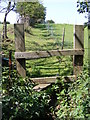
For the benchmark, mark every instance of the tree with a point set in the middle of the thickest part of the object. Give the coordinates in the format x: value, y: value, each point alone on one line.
x: 10, y: 5
x: 35, y: 10
x: 82, y: 6
x: 50, y: 21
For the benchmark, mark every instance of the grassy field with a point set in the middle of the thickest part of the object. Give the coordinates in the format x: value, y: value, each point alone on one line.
x: 42, y: 38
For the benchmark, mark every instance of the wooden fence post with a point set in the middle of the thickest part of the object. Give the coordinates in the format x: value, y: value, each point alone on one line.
x: 78, y: 44
x: 20, y: 47
x: 89, y: 50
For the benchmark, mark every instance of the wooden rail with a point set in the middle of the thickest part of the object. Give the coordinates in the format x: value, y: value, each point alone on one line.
x: 48, y: 80
x: 45, y: 54
x: 45, y: 82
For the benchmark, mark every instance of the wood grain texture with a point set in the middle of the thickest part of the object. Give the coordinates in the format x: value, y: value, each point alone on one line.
x: 45, y: 82
x: 88, y: 50
x: 41, y: 87
x: 78, y: 44
x: 49, y: 80
x: 45, y: 54
x: 20, y: 47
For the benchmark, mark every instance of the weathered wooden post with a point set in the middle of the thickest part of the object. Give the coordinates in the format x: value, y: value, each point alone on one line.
x: 78, y: 44
x: 89, y: 50
x: 89, y: 38
x: 20, y: 47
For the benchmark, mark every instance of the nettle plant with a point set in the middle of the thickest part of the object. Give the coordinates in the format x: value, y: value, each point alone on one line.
x: 20, y: 101
x: 74, y: 98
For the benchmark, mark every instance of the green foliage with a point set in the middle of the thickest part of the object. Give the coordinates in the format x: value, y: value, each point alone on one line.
x: 35, y: 10
x: 82, y: 6
x: 35, y: 72
x: 50, y: 21
x: 20, y: 101
x: 28, y: 30
x: 0, y: 22
x: 6, y: 22
x: 74, y: 98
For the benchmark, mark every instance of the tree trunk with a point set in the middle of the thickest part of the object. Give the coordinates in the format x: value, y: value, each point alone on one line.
x: 5, y: 28
x: 8, y: 9
x: 4, y: 22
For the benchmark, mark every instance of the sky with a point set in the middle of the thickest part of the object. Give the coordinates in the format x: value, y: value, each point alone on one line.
x: 61, y: 11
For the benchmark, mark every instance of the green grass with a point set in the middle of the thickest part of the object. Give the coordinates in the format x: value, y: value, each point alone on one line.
x: 39, y: 38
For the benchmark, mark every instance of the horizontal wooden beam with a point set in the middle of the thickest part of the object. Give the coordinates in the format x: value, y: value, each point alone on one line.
x: 45, y: 54
x: 44, y: 80
x: 49, y: 80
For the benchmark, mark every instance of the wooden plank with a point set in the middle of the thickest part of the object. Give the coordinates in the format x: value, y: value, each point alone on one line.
x: 20, y: 47
x: 45, y: 54
x: 41, y: 87
x: 49, y: 80
x: 44, y: 80
x: 78, y: 44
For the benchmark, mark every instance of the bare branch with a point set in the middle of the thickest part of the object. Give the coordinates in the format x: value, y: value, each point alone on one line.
x: 8, y: 8
x: 2, y: 11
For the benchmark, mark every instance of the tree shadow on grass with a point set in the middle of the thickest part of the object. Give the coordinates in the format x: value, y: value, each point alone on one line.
x: 41, y: 26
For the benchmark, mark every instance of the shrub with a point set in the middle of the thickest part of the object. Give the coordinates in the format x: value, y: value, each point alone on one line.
x: 50, y: 21
x: 74, y: 99
x: 0, y: 22
x: 6, y: 22
x: 20, y: 101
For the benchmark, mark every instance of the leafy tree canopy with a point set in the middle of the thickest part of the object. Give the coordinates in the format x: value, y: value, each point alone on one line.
x: 82, y: 6
x: 34, y: 10
x: 50, y: 21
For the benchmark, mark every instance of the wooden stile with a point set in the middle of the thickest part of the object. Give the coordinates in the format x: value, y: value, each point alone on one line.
x: 21, y: 56
x: 78, y: 44
x: 20, y: 47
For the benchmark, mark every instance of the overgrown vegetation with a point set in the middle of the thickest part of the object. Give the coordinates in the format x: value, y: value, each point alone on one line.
x: 61, y: 100
x: 74, y: 98
x: 19, y: 99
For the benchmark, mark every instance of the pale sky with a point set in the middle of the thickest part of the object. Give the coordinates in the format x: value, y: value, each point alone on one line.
x: 61, y: 11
